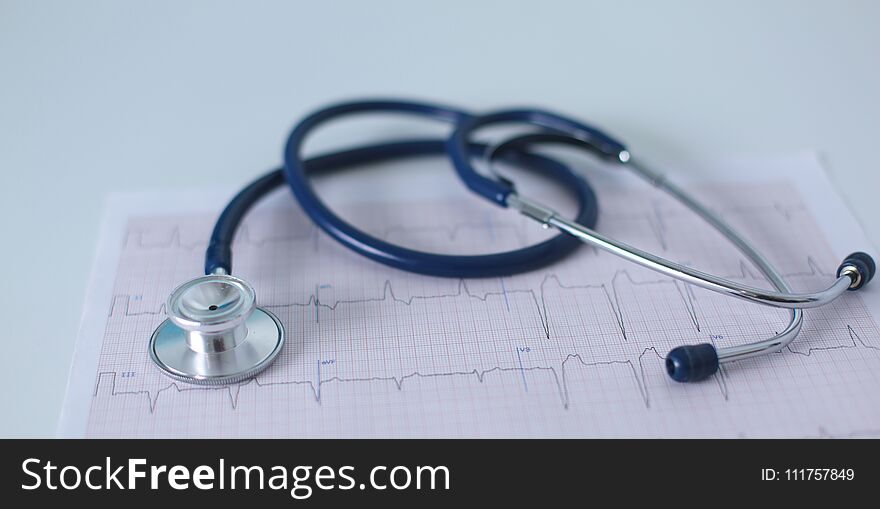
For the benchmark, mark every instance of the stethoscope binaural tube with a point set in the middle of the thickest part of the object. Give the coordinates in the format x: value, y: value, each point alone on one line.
x: 685, y: 363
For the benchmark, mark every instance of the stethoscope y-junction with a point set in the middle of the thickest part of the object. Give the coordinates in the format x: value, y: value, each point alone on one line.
x: 215, y: 333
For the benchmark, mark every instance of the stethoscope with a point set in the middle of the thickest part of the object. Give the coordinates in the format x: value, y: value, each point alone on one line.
x: 215, y: 333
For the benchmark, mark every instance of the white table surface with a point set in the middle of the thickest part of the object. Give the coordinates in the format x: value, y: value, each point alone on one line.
x: 102, y: 96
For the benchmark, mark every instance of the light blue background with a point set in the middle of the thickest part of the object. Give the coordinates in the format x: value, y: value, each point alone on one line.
x: 100, y: 96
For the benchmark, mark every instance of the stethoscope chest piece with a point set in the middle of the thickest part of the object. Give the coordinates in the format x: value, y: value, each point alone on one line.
x: 215, y: 334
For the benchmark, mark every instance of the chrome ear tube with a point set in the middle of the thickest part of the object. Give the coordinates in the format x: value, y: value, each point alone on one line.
x: 692, y: 363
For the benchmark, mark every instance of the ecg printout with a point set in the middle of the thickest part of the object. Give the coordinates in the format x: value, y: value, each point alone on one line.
x: 572, y: 349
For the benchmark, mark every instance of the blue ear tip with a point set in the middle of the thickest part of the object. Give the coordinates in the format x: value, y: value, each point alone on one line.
x: 692, y: 363
x: 863, y: 263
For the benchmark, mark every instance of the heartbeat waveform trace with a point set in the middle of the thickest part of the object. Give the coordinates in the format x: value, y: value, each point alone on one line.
x: 539, y: 299
x: 232, y: 392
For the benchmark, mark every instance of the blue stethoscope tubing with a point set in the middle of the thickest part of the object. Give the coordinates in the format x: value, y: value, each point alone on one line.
x: 297, y: 171
x: 686, y: 363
